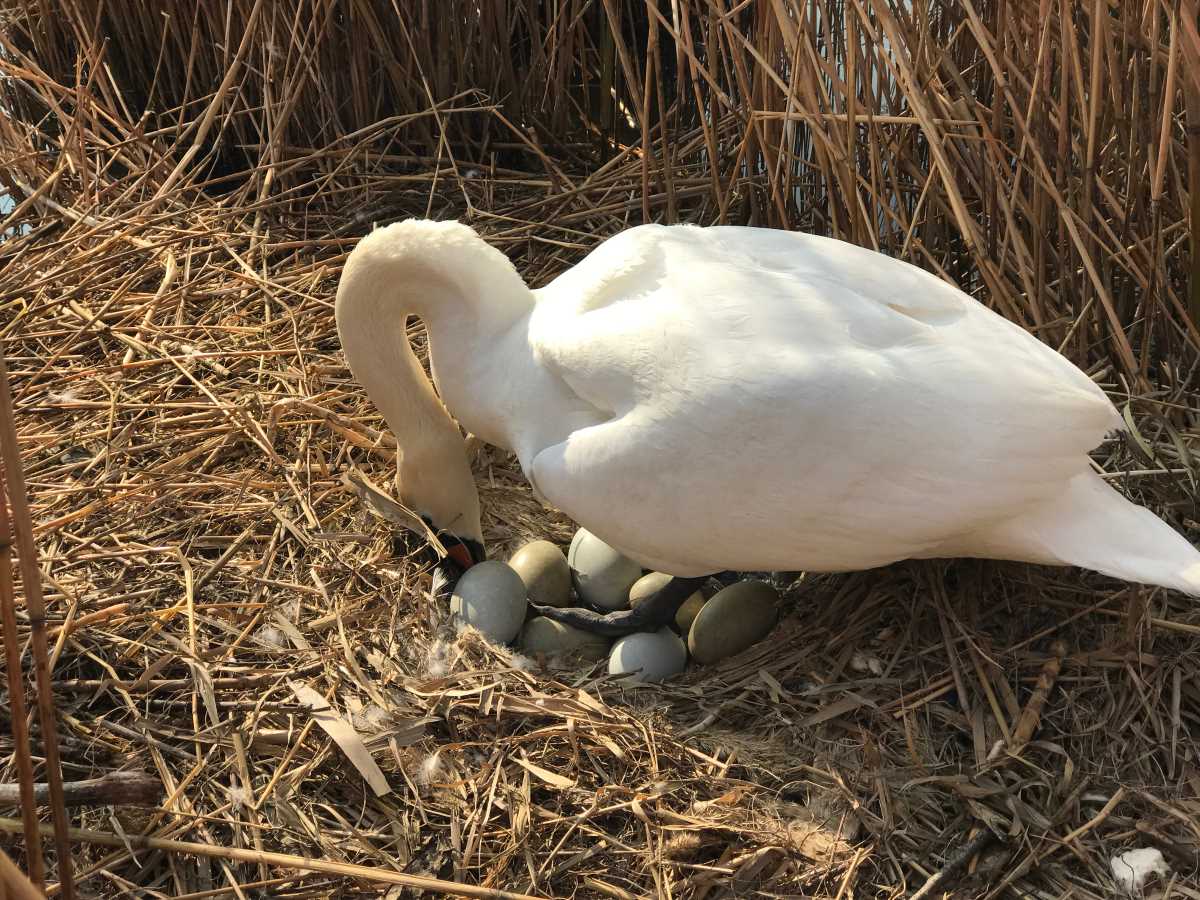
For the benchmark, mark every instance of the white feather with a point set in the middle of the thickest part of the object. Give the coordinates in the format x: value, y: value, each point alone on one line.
x: 709, y: 399
x: 1132, y: 868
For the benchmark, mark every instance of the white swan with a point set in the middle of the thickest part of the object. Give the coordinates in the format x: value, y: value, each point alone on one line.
x: 742, y: 399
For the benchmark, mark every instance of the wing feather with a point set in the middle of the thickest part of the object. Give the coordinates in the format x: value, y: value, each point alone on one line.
x: 783, y: 401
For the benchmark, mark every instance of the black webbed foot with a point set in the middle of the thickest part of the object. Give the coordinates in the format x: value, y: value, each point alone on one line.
x: 650, y: 615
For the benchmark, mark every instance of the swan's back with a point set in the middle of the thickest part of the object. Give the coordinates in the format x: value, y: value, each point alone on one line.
x: 797, y: 402
x: 809, y: 292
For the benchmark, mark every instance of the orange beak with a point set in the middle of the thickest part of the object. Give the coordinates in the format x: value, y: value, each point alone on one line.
x: 461, y: 555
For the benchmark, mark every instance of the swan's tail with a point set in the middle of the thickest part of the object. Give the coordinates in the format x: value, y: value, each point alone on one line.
x: 1092, y: 526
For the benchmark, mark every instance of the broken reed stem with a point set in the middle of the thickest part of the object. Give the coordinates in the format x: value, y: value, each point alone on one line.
x: 16, y: 701
x: 940, y: 880
x: 111, y: 789
x: 31, y: 582
x: 285, y: 860
x: 1031, y: 715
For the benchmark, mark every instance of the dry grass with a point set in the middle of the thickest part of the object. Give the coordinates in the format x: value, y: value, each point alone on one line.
x: 186, y: 189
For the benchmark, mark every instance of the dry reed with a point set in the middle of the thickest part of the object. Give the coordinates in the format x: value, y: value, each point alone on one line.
x: 186, y: 186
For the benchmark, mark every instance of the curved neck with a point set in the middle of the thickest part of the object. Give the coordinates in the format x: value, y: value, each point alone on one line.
x: 465, y: 291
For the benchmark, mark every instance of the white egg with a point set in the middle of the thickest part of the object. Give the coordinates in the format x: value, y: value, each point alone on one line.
x: 653, y: 655
x: 491, y: 596
x: 602, y: 575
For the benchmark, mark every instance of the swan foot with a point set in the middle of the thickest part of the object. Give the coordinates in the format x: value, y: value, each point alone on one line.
x: 651, y: 614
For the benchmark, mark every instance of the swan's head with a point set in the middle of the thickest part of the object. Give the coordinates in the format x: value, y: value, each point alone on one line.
x: 466, y: 292
x: 436, y: 483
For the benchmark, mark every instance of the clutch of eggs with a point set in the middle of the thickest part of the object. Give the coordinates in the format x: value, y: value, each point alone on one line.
x: 494, y: 597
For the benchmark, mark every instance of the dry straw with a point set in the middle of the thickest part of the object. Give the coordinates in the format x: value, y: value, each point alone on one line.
x: 186, y: 182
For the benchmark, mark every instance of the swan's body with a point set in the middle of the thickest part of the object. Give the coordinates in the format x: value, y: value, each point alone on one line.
x: 710, y: 399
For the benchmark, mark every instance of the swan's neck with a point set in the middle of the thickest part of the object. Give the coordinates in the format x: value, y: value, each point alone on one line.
x: 467, y: 293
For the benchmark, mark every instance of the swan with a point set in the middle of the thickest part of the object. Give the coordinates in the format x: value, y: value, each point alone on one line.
x: 721, y: 399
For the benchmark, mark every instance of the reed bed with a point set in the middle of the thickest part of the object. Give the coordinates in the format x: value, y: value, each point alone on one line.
x: 230, y: 625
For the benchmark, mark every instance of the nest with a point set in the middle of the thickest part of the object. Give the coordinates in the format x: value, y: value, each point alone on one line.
x: 227, y: 619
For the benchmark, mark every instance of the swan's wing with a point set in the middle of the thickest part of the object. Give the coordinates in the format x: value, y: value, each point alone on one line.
x: 774, y: 394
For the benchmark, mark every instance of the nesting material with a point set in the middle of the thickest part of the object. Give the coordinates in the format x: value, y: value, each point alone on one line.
x: 491, y: 596
x: 602, y: 575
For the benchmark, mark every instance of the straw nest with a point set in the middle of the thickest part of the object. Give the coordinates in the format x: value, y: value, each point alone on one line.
x: 226, y: 617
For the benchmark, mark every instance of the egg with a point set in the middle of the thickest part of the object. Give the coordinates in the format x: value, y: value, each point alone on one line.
x: 651, y: 584
x: 735, y: 618
x: 652, y: 655
x: 549, y: 638
x: 602, y: 575
x: 491, y: 597
x: 545, y: 572
x: 686, y: 614
x: 647, y: 586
